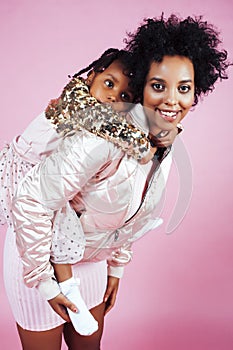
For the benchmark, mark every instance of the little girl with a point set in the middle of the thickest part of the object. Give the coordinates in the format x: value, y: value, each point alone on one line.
x: 83, y: 104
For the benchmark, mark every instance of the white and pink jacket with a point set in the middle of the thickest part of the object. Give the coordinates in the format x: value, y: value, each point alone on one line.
x: 100, y: 179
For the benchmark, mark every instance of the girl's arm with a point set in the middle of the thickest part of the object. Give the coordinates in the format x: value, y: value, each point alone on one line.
x: 76, y: 109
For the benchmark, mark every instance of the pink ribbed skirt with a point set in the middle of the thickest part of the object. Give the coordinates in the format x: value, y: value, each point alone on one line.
x: 30, y: 311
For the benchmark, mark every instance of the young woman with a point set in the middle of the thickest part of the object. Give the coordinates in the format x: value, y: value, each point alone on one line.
x: 114, y: 196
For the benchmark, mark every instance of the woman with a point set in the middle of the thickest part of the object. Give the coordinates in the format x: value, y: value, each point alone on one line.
x: 115, y: 196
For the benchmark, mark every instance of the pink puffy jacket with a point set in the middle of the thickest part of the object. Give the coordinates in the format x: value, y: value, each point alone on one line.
x: 100, y: 178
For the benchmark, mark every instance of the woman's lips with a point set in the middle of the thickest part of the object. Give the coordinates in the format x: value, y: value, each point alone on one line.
x: 169, y: 116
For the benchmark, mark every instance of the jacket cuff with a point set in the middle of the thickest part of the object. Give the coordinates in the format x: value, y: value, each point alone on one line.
x: 48, y: 289
x: 116, y: 271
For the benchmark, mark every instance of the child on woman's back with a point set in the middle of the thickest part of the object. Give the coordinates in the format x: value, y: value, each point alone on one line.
x: 87, y: 104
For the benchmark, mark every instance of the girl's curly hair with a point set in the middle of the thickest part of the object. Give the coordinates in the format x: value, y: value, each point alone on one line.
x: 106, y: 59
x: 190, y: 37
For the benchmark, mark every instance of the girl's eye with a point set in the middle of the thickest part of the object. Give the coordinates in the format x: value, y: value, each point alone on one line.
x: 184, y: 88
x: 125, y: 97
x: 109, y: 84
x: 158, y: 86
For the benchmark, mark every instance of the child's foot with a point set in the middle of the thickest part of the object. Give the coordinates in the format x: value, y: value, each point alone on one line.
x: 83, y: 321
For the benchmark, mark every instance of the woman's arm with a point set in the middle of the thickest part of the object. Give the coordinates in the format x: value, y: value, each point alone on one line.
x: 111, y: 293
x: 120, y: 258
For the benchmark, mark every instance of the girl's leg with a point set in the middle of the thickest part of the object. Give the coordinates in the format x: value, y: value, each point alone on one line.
x: 44, y: 340
x: 63, y: 272
x: 75, y: 341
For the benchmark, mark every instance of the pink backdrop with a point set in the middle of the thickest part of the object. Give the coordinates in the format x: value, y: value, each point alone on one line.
x: 177, y: 292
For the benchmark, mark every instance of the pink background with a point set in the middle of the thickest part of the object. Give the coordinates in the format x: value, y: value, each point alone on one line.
x: 177, y: 292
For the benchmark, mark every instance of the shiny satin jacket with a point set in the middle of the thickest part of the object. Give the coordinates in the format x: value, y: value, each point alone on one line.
x: 100, y: 178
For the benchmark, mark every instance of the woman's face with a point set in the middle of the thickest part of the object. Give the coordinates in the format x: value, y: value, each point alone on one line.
x: 168, y: 92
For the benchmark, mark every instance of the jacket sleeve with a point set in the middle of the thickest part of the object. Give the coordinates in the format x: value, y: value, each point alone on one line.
x: 38, y: 140
x: 46, y: 188
x: 122, y: 256
x: 76, y: 108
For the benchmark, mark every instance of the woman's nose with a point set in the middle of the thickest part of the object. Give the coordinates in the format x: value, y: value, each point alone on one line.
x: 171, y: 98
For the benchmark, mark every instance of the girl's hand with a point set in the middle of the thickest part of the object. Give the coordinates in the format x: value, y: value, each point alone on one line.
x: 59, y: 305
x: 148, y: 157
x: 111, y: 292
x: 166, y: 138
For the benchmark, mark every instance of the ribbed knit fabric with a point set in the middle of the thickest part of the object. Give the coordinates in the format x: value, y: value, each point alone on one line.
x: 30, y: 311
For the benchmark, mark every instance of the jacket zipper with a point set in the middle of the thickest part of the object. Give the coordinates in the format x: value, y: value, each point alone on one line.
x: 115, y: 233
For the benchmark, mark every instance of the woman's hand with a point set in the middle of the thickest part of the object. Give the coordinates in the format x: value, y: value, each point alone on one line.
x: 111, y: 292
x: 59, y: 305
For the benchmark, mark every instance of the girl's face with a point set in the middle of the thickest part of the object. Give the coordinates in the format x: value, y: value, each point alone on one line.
x: 168, y: 92
x: 111, y: 85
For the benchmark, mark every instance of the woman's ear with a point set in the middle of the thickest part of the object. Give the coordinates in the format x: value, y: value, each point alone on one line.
x: 90, y: 77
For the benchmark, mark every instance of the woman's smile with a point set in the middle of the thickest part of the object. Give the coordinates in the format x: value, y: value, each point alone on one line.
x: 168, y: 115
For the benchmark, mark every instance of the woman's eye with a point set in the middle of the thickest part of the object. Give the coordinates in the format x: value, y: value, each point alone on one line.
x: 184, y: 88
x: 109, y: 83
x: 158, y: 86
x: 125, y: 97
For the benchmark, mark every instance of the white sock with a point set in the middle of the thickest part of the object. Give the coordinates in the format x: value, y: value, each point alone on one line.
x: 83, y: 321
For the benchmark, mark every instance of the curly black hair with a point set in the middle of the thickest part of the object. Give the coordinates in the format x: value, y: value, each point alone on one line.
x: 190, y: 37
x: 107, y: 58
